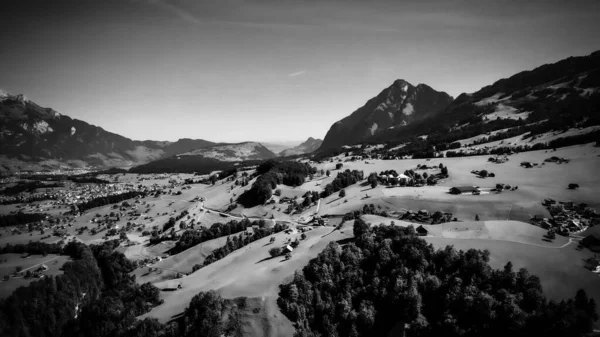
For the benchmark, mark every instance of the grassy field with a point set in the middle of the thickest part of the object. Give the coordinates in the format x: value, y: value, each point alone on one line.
x: 8, y: 263
x: 252, y: 273
x: 546, y: 181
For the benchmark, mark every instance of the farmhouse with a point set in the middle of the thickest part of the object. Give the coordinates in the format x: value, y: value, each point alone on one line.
x: 463, y: 190
x: 421, y: 231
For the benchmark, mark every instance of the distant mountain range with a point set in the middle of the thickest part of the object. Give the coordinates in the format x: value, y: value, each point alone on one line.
x: 398, y: 105
x: 37, y: 138
x: 310, y: 145
x: 556, y: 96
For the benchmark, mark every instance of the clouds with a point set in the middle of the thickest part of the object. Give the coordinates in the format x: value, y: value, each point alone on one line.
x: 298, y: 73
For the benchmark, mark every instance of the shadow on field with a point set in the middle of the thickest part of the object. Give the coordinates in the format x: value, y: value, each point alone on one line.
x: 265, y: 259
x: 344, y: 241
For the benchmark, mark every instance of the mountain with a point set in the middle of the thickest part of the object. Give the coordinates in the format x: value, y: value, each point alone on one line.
x: 35, y: 137
x: 208, y: 159
x: 310, y: 145
x: 555, y: 97
x: 280, y: 146
x: 398, y: 105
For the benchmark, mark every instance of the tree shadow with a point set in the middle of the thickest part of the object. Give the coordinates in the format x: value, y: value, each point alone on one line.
x: 329, y: 233
x: 175, y: 317
x: 266, y: 259
x: 333, y: 201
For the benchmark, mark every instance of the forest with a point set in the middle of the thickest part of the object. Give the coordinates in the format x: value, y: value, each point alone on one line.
x: 391, y: 282
x: 95, y: 296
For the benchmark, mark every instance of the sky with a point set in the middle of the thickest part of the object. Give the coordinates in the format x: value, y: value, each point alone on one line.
x: 268, y: 70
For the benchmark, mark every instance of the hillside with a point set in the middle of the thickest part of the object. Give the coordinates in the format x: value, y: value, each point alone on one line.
x: 208, y: 159
x: 233, y: 152
x: 398, y: 105
x: 33, y: 137
x: 310, y: 145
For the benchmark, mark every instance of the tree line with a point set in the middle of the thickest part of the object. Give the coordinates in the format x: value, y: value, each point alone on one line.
x: 237, y: 242
x: 270, y: 174
x: 107, y: 200
x: 20, y: 218
x: 192, y: 237
x: 342, y: 180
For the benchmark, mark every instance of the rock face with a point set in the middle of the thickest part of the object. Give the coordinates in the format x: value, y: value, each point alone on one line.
x: 310, y: 145
x: 398, y: 105
x: 32, y: 134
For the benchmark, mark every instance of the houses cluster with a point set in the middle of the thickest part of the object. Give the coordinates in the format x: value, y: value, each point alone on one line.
x: 567, y: 217
x: 498, y: 159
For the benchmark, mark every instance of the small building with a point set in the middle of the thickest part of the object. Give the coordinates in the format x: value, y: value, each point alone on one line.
x: 421, y: 231
x: 287, y: 249
x: 463, y: 190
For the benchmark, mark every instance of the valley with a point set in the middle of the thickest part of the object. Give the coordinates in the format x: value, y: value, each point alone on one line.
x: 484, y: 203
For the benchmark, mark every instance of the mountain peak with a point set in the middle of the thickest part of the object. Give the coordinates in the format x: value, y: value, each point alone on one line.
x: 397, y: 106
x: 402, y: 84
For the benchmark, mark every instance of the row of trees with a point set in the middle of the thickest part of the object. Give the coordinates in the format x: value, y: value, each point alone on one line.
x: 20, y: 219
x: 192, y: 237
x: 32, y: 247
x: 390, y: 282
x: 111, y: 199
x: 237, y: 242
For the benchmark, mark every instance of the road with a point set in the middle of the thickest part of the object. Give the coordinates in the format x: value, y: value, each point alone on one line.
x: 41, y: 263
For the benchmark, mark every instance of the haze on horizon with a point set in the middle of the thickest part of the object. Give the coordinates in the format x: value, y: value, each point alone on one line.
x: 268, y: 70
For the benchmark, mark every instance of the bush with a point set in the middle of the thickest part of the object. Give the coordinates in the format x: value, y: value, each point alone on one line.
x: 274, y: 252
x: 342, y: 193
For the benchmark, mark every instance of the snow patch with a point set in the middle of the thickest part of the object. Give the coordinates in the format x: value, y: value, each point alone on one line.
x: 391, y: 115
x: 381, y: 107
x: 589, y: 92
x: 408, y: 109
x: 374, y: 128
x: 73, y: 130
x: 405, y: 88
x: 41, y: 127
